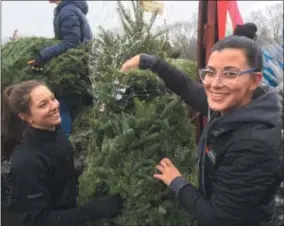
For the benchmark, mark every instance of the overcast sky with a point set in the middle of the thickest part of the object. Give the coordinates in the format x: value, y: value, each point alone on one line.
x: 35, y: 17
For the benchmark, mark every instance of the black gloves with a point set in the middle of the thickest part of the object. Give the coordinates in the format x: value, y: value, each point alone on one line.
x: 105, y: 205
x: 37, y: 64
x: 108, y: 206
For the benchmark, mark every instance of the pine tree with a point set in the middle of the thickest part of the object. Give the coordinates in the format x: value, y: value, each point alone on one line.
x: 110, y: 50
x: 66, y: 74
x: 123, y: 152
x: 136, y: 122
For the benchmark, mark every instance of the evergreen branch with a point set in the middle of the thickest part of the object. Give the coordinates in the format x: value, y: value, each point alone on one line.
x: 134, y: 6
x: 152, y: 20
x: 124, y: 15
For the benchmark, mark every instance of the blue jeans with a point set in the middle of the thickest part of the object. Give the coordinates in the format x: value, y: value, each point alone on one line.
x: 66, y: 119
x: 68, y: 104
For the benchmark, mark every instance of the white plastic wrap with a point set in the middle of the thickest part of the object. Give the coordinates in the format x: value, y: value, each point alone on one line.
x: 273, y: 65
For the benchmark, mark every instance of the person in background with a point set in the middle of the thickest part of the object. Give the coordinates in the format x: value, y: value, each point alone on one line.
x: 43, y: 177
x: 72, y: 28
x: 238, y: 152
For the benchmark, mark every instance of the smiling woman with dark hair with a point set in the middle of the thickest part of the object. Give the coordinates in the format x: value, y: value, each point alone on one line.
x: 43, y: 177
x: 239, y: 149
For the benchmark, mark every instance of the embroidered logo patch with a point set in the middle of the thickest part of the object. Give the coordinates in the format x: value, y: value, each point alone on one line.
x: 211, y: 154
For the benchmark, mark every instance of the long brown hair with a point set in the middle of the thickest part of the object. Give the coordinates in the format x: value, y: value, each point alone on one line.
x: 15, y: 100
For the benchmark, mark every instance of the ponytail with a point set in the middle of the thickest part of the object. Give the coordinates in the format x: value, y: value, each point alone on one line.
x: 15, y: 100
x: 10, y: 134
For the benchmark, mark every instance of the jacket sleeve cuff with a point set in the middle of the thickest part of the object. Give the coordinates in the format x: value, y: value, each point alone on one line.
x: 147, y: 61
x: 177, y: 184
x: 45, y: 54
x: 39, y: 59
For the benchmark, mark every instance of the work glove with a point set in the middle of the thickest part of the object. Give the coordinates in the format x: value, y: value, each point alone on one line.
x: 108, y: 206
x: 37, y: 64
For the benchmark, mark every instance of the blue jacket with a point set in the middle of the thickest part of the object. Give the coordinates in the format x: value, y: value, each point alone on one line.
x: 70, y: 26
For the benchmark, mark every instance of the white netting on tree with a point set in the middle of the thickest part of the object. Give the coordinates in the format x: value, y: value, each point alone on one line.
x: 136, y: 121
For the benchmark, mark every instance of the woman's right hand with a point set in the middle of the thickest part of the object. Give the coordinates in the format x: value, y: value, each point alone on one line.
x: 132, y: 63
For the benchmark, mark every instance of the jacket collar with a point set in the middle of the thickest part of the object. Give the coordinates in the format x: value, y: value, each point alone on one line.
x: 41, y: 136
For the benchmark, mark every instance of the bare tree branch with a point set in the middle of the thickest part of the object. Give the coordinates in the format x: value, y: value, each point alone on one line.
x: 183, y: 35
x: 270, y: 23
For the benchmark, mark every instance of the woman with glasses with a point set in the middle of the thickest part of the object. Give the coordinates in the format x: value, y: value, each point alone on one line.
x: 238, y: 150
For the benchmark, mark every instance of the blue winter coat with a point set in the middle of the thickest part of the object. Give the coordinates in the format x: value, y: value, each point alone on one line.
x: 70, y: 26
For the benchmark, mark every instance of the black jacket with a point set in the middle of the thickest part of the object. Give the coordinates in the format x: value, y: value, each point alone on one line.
x: 44, y: 183
x: 238, y: 154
